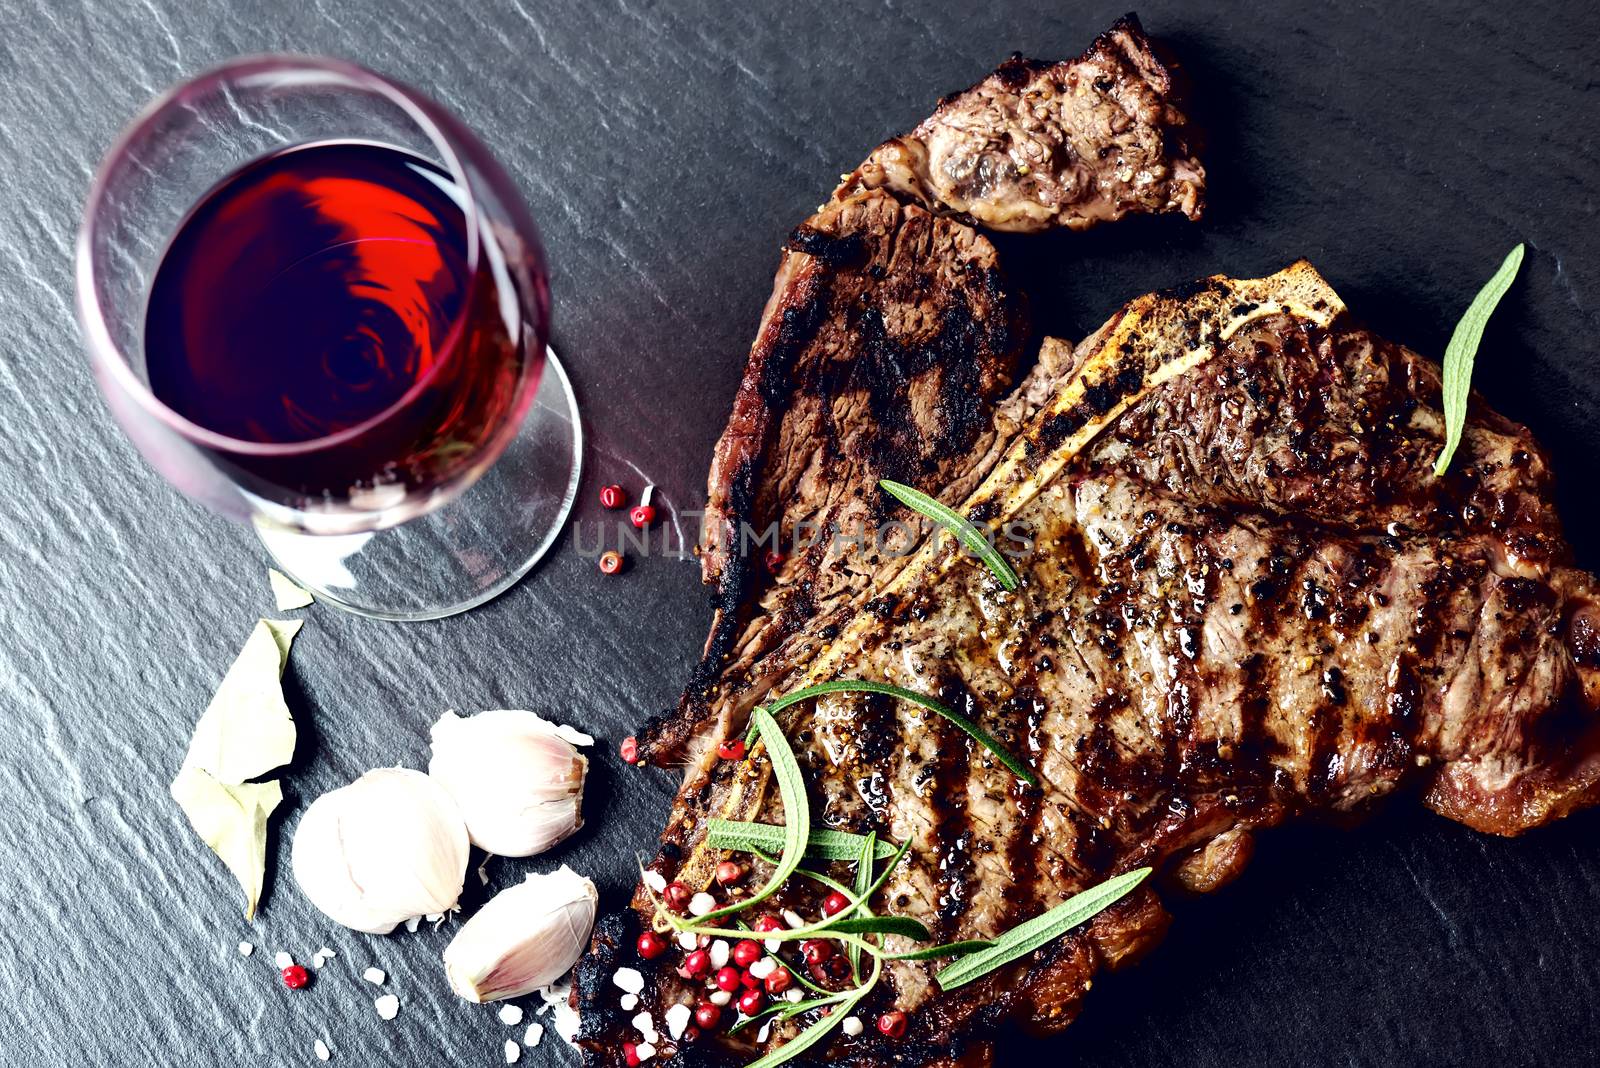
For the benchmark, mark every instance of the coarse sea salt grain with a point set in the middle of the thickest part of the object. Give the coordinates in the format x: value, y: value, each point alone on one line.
x: 852, y: 1026
x: 719, y: 952
x: 245, y: 949
x: 721, y: 997
x: 534, y: 1034
x: 655, y: 881
x: 793, y: 994
x: 792, y: 918
x: 643, y: 1024
x: 678, y: 1020
x: 774, y: 944
x: 511, y: 1015
x: 283, y: 960
x: 629, y: 1002
x: 644, y: 1051
x: 320, y: 1048
x: 763, y: 968
x: 388, y: 1007
x: 374, y: 976
x: 701, y: 904
x: 322, y: 956
x: 688, y: 940
x: 565, y: 1018
x: 513, y: 1052
x: 629, y: 979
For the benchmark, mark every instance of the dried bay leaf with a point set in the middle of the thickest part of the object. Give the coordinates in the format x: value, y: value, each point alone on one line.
x: 285, y: 591
x: 283, y: 632
x: 232, y: 820
x: 247, y: 730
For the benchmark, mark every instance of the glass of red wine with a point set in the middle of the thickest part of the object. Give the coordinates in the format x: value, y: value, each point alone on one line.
x: 315, y: 303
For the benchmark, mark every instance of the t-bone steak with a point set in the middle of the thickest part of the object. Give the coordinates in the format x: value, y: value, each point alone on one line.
x: 1243, y: 596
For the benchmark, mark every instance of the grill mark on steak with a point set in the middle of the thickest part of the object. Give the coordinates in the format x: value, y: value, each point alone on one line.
x: 951, y: 828
x: 1254, y: 600
x: 1223, y: 652
x: 883, y: 360
x: 887, y: 349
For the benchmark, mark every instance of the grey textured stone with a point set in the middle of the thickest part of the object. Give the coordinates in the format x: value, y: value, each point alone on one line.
x: 666, y: 148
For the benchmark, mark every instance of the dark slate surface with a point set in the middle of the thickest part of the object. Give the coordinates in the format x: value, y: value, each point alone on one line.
x: 666, y: 148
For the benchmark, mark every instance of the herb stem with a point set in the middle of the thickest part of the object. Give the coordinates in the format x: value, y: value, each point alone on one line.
x: 796, y: 813
x: 979, y: 735
x: 1046, y: 927
x: 964, y: 530
x: 822, y: 1028
x: 1462, y: 352
x: 824, y: 843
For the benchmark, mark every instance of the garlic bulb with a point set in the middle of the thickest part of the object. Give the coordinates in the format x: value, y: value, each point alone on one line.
x: 526, y: 937
x: 516, y: 777
x: 389, y: 847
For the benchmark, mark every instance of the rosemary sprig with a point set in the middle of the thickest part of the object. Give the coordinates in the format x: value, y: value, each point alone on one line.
x: 823, y: 1027
x: 1463, y: 350
x: 796, y: 974
x: 963, y: 529
x: 979, y: 735
x: 853, y: 901
x: 796, y: 814
x: 787, y: 1009
x: 1031, y: 934
x: 863, y: 883
x: 948, y: 949
x: 856, y: 927
x: 904, y: 926
x: 746, y: 837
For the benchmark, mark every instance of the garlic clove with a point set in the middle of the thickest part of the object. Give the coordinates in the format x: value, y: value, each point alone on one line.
x: 386, y: 848
x: 526, y: 937
x: 516, y: 777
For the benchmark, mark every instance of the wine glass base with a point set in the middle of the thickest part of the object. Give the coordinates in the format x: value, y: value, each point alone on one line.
x: 468, y: 551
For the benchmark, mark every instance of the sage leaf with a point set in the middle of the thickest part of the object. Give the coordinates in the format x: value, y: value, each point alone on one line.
x: 1462, y: 351
x: 979, y: 735
x: 231, y: 819
x: 965, y: 532
x: 1046, y: 927
x: 247, y: 730
x: 286, y: 592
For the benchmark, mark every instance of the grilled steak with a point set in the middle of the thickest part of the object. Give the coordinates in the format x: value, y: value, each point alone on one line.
x: 1038, y: 145
x: 889, y: 337
x: 889, y: 347
x: 1246, y: 600
x: 1243, y: 596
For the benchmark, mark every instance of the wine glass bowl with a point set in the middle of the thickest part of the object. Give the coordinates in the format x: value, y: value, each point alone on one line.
x: 315, y: 303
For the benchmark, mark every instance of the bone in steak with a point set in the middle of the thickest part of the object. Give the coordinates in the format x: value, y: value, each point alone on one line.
x: 1039, y: 145
x: 1246, y: 600
x: 888, y: 349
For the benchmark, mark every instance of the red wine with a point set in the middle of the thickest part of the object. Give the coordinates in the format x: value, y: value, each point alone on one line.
x: 325, y: 290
